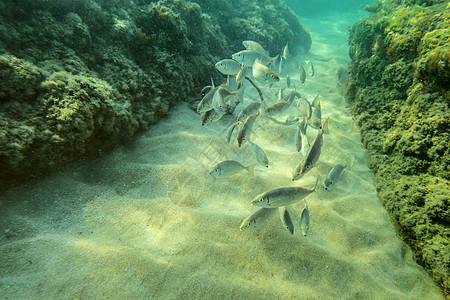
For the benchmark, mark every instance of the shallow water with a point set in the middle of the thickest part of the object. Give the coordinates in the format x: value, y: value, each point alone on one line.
x: 149, y: 221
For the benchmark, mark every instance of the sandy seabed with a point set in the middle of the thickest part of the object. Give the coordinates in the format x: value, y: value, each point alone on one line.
x: 148, y: 221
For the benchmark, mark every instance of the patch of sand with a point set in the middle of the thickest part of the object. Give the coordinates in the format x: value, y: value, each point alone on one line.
x: 149, y: 221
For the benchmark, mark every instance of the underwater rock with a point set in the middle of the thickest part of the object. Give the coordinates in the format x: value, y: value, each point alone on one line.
x: 399, y: 96
x: 79, y: 77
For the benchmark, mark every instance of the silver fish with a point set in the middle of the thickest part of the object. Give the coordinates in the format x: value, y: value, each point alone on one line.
x: 246, y: 128
x: 304, y: 220
x: 286, y: 52
x: 281, y: 196
x: 228, y: 168
x: 260, y: 155
x: 248, y: 57
x: 302, y: 74
x: 255, y: 46
x: 280, y: 94
x: 277, y: 108
x: 310, y: 67
x: 218, y: 101
x: 305, y: 143
x: 286, y: 122
x: 241, y: 75
x: 208, y: 114
x: 281, y: 66
x: 342, y: 77
x: 263, y: 74
x: 301, y: 133
x: 316, y: 117
x: 304, y: 108
x: 257, y: 219
x: 231, y: 129
x: 333, y: 176
x: 228, y: 66
x: 206, y: 99
x: 291, y: 96
x: 311, y: 158
x: 285, y: 218
x: 250, y: 109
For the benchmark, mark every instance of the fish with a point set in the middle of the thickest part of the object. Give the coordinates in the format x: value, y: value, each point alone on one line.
x: 281, y: 196
x: 310, y: 67
x: 228, y: 66
x: 280, y: 94
x: 231, y: 129
x: 206, y: 99
x: 277, y: 108
x: 255, y: 46
x: 229, y: 167
x: 305, y: 143
x: 316, y: 117
x: 288, y: 81
x: 285, y: 218
x: 281, y: 66
x: 248, y: 58
x: 301, y: 134
x: 246, y: 128
x: 218, y: 101
x: 342, y: 77
x: 241, y: 75
x: 260, y: 155
x: 286, y: 122
x: 208, y: 114
x: 317, y: 106
x: 257, y: 219
x: 286, y: 52
x: 304, y: 108
x: 291, y: 96
x: 311, y: 158
x: 263, y: 74
x: 302, y: 74
x: 304, y: 220
x: 250, y: 109
x: 333, y: 176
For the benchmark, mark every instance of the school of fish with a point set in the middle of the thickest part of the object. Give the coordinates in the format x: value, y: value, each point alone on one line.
x: 255, y: 65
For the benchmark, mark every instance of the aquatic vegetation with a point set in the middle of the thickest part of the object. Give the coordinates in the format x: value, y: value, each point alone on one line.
x: 399, y: 94
x: 104, y: 69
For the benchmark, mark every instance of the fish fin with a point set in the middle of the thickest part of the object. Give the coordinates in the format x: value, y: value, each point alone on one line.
x: 240, y: 92
x: 212, y: 83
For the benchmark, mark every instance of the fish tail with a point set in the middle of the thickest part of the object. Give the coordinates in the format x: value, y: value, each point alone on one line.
x: 273, y: 60
x: 251, y: 168
x: 325, y: 128
x: 315, y: 186
x: 240, y: 92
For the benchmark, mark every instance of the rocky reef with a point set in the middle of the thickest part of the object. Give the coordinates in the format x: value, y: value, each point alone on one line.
x: 79, y: 77
x: 399, y: 94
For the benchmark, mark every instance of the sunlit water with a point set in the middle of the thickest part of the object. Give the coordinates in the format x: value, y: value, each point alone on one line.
x: 149, y: 221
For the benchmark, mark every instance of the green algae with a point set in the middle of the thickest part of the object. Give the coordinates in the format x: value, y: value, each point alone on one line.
x: 399, y: 95
x: 79, y: 77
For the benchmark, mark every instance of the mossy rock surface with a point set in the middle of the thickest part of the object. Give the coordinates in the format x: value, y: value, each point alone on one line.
x: 79, y: 77
x: 399, y: 96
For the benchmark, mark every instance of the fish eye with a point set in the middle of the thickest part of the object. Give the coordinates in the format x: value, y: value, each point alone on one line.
x: 261, y: 200
x: 249, y: 223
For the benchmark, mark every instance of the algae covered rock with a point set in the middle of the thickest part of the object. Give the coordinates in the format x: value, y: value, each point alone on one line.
x: 79, y: 77
x: 399, y: 95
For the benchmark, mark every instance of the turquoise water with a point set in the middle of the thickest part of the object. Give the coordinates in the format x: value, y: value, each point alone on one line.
x: 147, y: 220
